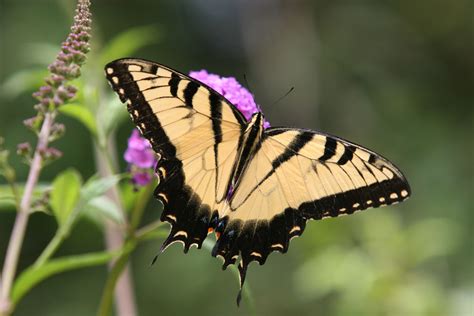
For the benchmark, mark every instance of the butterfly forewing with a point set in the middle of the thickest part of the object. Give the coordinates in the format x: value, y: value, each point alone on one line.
x: 195, y: 132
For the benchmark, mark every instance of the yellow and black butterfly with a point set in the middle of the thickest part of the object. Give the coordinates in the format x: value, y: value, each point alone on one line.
x: 254, y: 187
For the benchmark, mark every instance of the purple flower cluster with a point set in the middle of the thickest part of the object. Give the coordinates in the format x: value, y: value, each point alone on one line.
x: 139, y: 154
x: 232, y: 90
x: 57, y: 90
x: 67, y: 65
x: 140, y: 157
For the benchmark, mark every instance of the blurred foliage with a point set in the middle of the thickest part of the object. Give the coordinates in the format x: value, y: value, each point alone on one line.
x: 395, y: 76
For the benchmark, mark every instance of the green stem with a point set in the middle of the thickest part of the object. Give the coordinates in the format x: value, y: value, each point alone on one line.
x: 140, y: 205
x: 123, y: 290
x: 61, y: 233
x: 51, y: 248
x: 246, y: 290
x: 105, y: 307
x: 115, y: 272
x: 147, y: 230
x: 32, y: 276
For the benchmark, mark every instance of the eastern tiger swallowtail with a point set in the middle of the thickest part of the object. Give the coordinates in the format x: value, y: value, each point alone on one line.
x: 254, y: 187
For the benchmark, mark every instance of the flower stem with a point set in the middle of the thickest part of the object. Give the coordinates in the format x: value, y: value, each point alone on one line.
x: 140, y: 205
x: 113, y: 282
x: 50, y: 248
x: 119, y: 279
x: 150, y: 230
x: 247, y: 290
x: 21, y: 221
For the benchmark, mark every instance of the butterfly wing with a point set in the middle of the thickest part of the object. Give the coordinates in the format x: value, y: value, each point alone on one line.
x: 297, y: 175
x: 195, y: 133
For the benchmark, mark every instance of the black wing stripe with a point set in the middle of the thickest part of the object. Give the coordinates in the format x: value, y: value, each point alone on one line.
x: 173, y: 83
x: 329, y: 149
x: 372, y: 158
x: 293, y: 148
x: 347, y: 155
x: 298, y: 142
x: 189, y: 92
x: 216, y: 115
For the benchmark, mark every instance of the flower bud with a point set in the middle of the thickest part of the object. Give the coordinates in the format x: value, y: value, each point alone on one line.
x: 23, y: 149
x: 57, y: 131
x: 66, y: 67
x: 34, y: 123
x: 50, y: 154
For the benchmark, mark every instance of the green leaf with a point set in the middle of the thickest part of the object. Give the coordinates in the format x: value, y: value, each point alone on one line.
x: 44, y: 53
x: 22, y: 82
x: 114, y: 113
x: 128, y: 42
x: 7, y: 199
x: 82, y: 114
x: 7, y: 203
x: 423, y: 245
x: 65, y: 194
x: 95, y: 186
x: 32, y: 276
x: 103, y: 207
x: 128, y: 195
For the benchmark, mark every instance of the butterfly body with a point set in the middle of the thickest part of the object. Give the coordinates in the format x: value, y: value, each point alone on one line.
x: 251, y: 140
x: 254, y: 187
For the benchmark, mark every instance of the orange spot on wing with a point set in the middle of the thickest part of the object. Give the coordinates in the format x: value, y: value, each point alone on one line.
x: 218, y: 235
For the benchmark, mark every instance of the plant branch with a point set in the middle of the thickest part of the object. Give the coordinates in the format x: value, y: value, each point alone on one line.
x: 54, y: 93
x: 148, y: 230
x: 140, y: 204
x: 21, y: 221
x: 116, y: 272
x: 119, y: 279
x: 32, y: 275
x: 51, y: 248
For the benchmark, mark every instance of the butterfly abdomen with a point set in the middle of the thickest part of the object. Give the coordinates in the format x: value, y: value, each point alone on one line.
x: 251, y: 141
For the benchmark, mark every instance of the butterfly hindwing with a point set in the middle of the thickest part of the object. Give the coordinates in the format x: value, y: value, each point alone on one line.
x: 195, y: 133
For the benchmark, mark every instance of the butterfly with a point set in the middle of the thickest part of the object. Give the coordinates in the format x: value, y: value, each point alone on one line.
x: 255, y: 188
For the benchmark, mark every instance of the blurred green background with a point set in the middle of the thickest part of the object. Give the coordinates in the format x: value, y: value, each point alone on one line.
x: 395, y: 76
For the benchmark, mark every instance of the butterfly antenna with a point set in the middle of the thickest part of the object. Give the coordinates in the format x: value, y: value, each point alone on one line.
x: 247, y: 84
x: 284, y: 96
x: 250, y: 90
